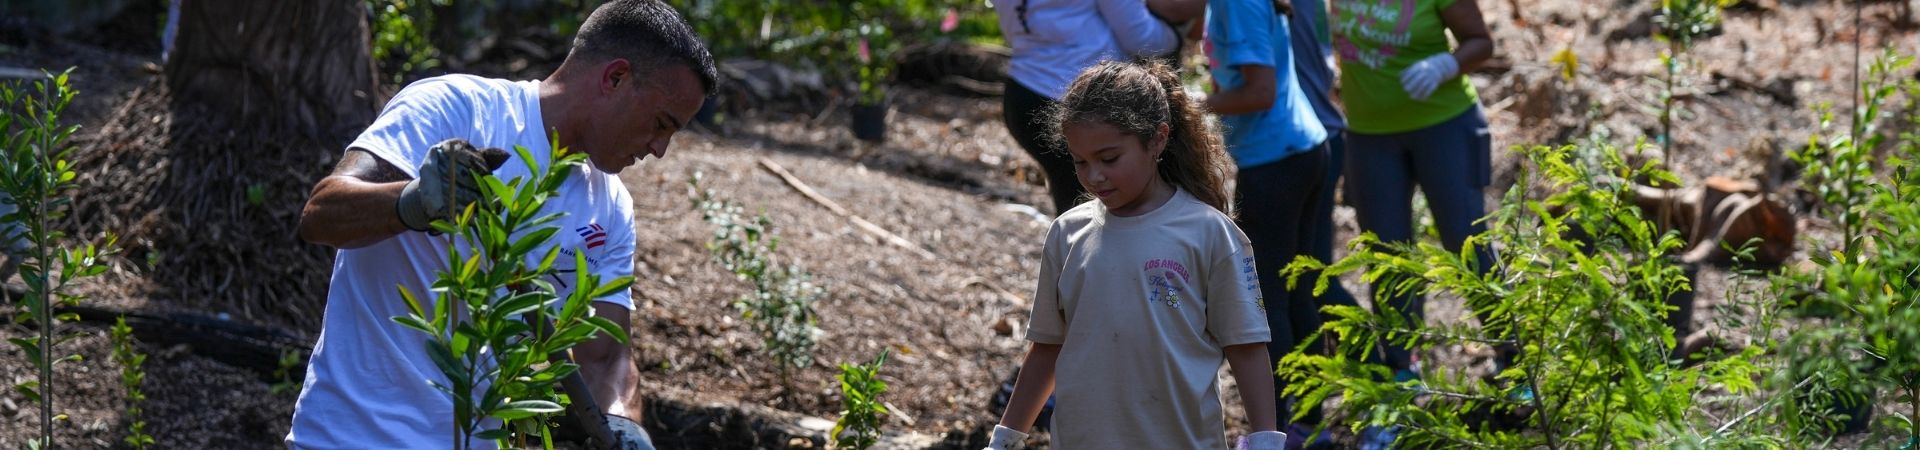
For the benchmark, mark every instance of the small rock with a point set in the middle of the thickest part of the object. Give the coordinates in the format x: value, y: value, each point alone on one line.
x: 799, y: 443
x: 1005, y: 326
x: 816, y: 424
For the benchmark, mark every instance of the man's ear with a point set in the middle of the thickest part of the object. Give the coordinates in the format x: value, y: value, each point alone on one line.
x: 613, y: 73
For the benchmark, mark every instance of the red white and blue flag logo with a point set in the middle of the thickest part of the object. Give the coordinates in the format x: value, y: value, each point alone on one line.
x: 593, y: 234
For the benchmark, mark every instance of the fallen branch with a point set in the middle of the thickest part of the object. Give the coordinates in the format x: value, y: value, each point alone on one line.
x: 1004, y: 294
x: 863, y: 224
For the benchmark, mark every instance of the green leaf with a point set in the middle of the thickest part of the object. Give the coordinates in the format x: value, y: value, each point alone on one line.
x: 29, y: 345
x: 531, y: 240
x: 519, y: 304
x: 494, y: 434
x: 609, y: 328
x: 555, y: 372
x: 447, y: 362
x: 570, y: 335
x: 413, y: 304
x: 617, y: 285
x: 415, y: 322
x: 30, y: 389
x: 526, y: 408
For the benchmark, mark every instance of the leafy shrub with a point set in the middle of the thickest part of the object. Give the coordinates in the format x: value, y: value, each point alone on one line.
x: 489, y: 301
x: 130, y: 359
x: 780, y: 308
x: 861, y: 411
x: 1856, y: 336
x: 400, y: 43
x: 33, y: 173
x: 1580, y: 284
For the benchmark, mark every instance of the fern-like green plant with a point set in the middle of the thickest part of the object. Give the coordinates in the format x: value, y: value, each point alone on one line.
x: 488, y: 302
x: 34, y: 172
x: 1580, y: 284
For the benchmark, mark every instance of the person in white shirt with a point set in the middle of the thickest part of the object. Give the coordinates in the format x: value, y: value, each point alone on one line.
x: 635, y: 75
x: 1052, y: 41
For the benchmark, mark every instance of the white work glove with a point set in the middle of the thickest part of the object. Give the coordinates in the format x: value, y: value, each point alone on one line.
x: 1264, y: 440
x: 1422, y: 77
x: 1006, y: 439
x: 447, y: 183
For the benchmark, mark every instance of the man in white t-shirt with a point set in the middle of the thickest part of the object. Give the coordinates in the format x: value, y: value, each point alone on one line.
x: 634, y: 76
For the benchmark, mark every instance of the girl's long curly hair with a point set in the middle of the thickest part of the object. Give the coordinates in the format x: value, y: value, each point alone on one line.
x: 1137, y: 98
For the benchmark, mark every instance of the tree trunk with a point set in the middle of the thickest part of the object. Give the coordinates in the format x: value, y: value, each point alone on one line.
x: 302, y: 66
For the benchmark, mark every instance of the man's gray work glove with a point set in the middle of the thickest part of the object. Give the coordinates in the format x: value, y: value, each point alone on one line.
x: 447, y: 183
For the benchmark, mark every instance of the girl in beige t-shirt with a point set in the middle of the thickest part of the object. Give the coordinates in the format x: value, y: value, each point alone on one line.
x: 1144, y: 293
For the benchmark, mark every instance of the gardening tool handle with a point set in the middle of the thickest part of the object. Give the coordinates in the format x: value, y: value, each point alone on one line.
x: 582, y: 408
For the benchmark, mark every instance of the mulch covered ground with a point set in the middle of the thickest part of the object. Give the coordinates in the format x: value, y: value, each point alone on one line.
x: 948, y: 180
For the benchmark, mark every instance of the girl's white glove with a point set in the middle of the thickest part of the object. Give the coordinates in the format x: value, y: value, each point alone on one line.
x: 1422, y: 77
x: 1265, y: 440
x: 1006, y: 439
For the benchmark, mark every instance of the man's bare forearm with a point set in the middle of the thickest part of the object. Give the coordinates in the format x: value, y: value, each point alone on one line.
x: 350, y: 213
x: 354, y: 207
x: 607, y: 365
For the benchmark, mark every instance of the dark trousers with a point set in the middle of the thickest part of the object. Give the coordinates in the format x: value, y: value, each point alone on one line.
x: 1321, y: 248
x: 1022, y: 109
x: 1276, y: 201
x: 1449, y: 163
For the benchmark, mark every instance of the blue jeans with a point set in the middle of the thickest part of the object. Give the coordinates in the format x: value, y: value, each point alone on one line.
x: 1449, y: 162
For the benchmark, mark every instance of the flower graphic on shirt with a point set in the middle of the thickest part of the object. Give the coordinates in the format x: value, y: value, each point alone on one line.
x: 1166, y: 282
x: 1371, y: 31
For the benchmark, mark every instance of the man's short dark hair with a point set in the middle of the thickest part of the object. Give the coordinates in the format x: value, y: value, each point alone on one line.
x: 649, y: 34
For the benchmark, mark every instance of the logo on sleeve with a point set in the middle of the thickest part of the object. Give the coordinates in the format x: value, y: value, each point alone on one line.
x: 593, y: 235
x: 1167, y: 281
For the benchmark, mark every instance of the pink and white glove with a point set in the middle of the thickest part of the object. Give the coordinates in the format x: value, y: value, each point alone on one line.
x: 1421, y: 78
x: 1264, y: 440
x: 1006, y: 439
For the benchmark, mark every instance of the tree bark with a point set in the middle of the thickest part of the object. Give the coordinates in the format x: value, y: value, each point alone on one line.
x: 303, y: 66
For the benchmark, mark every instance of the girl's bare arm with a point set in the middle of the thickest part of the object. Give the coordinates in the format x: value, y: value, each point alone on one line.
x: 1254, y: 374
x: 1031, y: 391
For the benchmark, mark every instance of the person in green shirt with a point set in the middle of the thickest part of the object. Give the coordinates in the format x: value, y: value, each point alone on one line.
x: 1413, y: 121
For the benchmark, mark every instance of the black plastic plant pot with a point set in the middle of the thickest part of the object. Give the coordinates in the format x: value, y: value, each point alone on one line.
x: 870, y: 121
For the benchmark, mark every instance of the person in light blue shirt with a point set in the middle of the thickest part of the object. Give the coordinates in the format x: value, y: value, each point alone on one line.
x: 1278, y: 143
